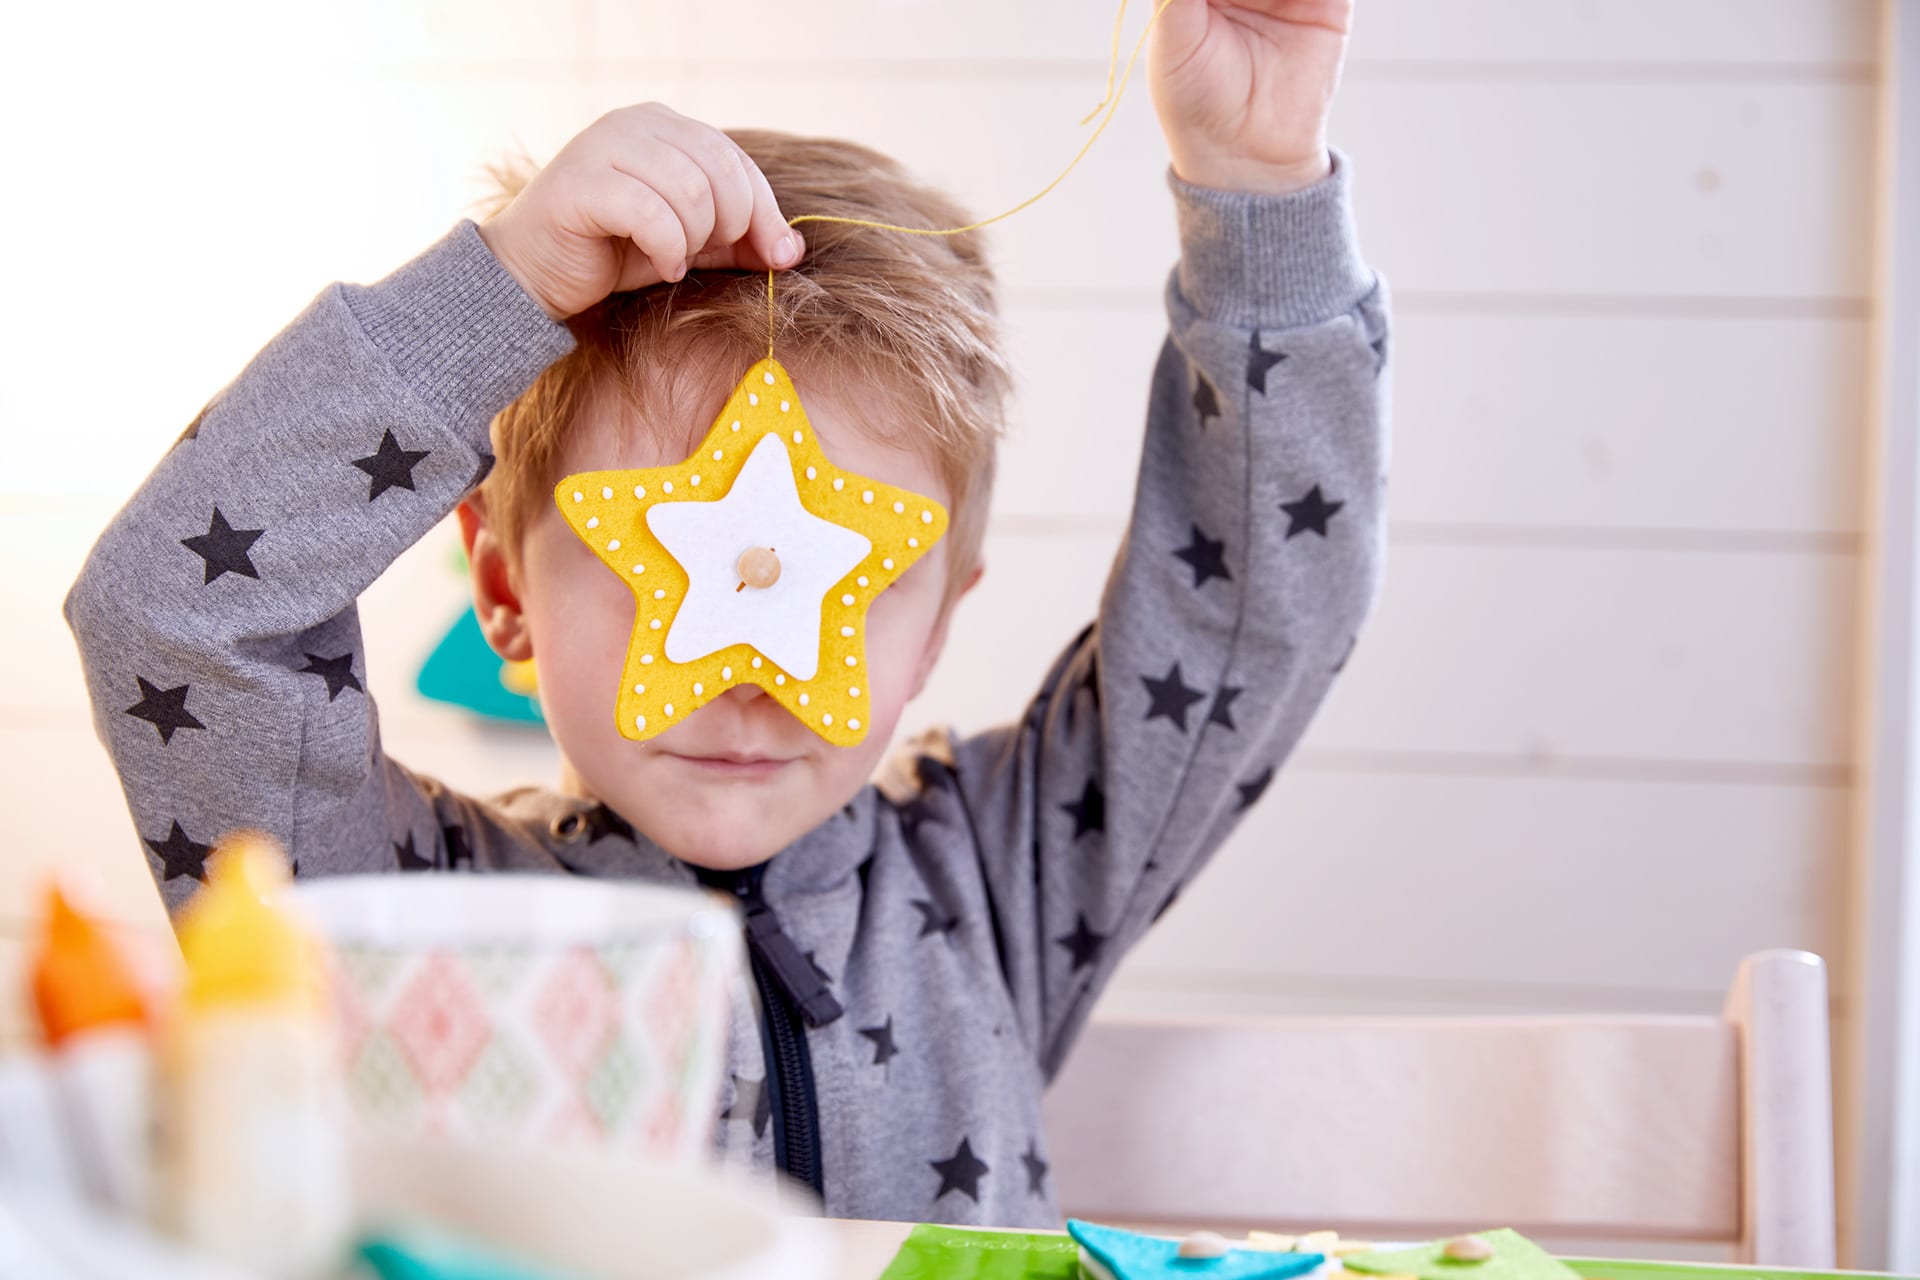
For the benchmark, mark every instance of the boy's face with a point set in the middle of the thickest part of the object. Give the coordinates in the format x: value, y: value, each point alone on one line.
x: 741, y: 778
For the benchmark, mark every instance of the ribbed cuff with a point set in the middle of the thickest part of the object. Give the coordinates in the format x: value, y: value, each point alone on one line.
x: 459, y: 329
x: 1251, y: 260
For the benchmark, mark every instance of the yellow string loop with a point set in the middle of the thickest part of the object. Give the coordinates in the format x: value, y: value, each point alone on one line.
x: 1109, y: 104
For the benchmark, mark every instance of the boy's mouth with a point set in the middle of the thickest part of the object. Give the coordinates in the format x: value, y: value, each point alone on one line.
x: 746, y: 767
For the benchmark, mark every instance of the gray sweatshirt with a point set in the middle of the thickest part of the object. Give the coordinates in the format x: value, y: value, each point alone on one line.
x: 958, y: 918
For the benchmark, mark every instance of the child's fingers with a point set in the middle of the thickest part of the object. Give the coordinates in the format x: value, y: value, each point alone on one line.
x: 678, y: 180
x: 621, y: 208
x: 729, y: 173
x: 771, y: 241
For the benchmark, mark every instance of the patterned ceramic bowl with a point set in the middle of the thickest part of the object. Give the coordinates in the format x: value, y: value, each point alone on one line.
x: 533, y: 1010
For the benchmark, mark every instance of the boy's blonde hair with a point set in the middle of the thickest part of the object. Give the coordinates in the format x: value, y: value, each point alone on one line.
x: 903, y: 326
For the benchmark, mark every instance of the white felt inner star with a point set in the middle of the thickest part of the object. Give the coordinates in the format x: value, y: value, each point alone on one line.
x: 761, y: 510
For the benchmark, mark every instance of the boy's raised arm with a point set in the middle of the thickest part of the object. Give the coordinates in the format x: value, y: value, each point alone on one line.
x: 1254, y: 548
x: 215, y: 616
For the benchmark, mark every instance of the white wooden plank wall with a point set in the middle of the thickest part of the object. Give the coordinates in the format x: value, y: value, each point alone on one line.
x: 1597, y: 742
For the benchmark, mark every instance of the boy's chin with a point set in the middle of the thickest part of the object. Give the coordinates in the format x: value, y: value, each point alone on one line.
x: 722, y: 844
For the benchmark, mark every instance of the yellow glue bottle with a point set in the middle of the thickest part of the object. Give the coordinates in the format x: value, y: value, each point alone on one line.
x: 253, y: 1165
x: 94, y: 1018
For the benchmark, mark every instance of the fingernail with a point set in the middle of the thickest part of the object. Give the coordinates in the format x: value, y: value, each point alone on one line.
x: 789, y: 250
x: 679, y: 272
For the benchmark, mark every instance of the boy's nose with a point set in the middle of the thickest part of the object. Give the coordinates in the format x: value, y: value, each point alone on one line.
x: 744, y: 693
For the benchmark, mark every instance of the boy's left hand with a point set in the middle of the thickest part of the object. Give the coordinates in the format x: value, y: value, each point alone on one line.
x: 1243, y: 88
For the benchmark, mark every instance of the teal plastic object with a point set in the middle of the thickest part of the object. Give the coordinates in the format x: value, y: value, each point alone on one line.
x: 465, y: 671
x: 435, y: 1255
x: 1131, y: 1256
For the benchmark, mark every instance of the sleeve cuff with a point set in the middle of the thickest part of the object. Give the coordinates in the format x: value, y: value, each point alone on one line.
x: 459, y: 329
x: 1251, y: 260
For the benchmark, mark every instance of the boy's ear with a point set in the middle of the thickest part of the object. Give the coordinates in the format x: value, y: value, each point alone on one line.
x: 496, y: 600
x: 937, y: 641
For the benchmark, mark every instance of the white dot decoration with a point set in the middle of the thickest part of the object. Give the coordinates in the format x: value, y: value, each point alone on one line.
x: 639, y: 491
x: 613, y: 544
x: 698, y: 688
x: 660, y: 593
x: 826, y: 717
x: 913, y: 542
x: 639, y: 568
x: 726, y: 673
x: 899, y: 508
x: 639, y: 688
x: 646, y: 659
x: 887, y: 563
x: 579, y: 496
x: 736, y: 424
x: 718, y: 454
x: 798, y: 437
x: 866, y: 496
x: 854, y: 692
x: 666, y: 486
x: 847, y: 599
x: 813, y: 473
x: 846, y: 631
x: 778, y: 678
x: 852, y: 661
x: 593, y: 522
x: 785, y: 406
x: 753, y: 398
x: 640, y: 722
x: 838, y: 484
x: 606, y: 492
x: 805, y: 699
x: 926, y: 517
x: 853, y: 724
x: 695, y: 480
x: 668, y: 709
x: 767, y: 377
x: 756, y: 664
x: 654, y: 625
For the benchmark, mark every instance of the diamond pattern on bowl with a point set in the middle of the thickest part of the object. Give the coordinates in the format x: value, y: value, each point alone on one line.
x: 502, y: 1088
x: 382, y: 1083
x: 440, y: 1023
x: 574, y: 1011
x: 614, y: 1083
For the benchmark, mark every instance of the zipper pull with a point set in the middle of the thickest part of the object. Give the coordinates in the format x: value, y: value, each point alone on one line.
x: 781, y: 956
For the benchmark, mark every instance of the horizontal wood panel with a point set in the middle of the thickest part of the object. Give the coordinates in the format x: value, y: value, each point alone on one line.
x: 1794, y: 33
x: 1647, y: 423
x: 1525, y: 189
x: 1510, y: 884
x: 1516, y: 652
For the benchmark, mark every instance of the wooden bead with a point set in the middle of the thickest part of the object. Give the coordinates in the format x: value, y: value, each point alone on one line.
x: 758, y: 567
x: 1468, y: 1249
x: 1203, y: 1244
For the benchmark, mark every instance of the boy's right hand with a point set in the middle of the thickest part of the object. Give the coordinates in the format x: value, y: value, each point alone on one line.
x: 638, y: 197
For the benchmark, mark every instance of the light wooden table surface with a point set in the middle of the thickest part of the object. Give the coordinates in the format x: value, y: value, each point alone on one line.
x: 865, y: 1248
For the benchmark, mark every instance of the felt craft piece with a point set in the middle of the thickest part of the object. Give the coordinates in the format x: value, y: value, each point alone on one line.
x: 1130, y: 1256
x: 759, y: 482
x: 464, y: 670
x: 954, y: 1253
x: 1514, y: 1258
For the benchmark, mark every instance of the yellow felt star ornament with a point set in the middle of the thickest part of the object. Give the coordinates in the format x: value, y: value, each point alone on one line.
x: 752, y: 562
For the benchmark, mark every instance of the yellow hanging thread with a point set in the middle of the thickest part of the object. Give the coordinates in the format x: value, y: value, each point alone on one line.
x: 1110, y: 103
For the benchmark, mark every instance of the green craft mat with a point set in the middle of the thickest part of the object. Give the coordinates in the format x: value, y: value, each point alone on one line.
x: 950, y: 1253
x: 1607, y: 1269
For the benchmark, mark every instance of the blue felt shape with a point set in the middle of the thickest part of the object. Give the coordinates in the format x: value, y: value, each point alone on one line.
x: 463, y: 669
x: 1136, y: 1257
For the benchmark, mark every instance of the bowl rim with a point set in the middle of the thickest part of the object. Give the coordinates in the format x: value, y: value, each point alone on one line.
x: 410, y: 912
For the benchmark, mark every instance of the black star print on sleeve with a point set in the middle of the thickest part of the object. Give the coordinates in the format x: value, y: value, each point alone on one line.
x: 1206, y: 403
x: 1221, y: 713
x: 961, y: 1173
x: 1252, y: 789
x: 390, y: 466
x: 180, y: 856
x: 1083, y: 943
x: 1089, y: 811
x: 884, y: 1048
x: 1036, y: 1169
x: 1259, y: 362
x: 337, y: 672
x: 224, y: 548
x: 1172, y: 697
x: 1206, y: 557
x: 165, y: 709
x: 459, y: 850
x: 407, y: 856
x: 1310, y: 514
x: 934, y: 918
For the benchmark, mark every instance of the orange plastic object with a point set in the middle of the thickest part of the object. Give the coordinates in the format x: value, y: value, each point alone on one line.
x: 80, y: 979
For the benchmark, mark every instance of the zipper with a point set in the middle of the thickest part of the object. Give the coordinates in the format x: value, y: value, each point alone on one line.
x: 793, y: 997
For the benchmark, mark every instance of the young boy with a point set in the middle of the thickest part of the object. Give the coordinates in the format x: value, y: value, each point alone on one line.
x: 926, y: 950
